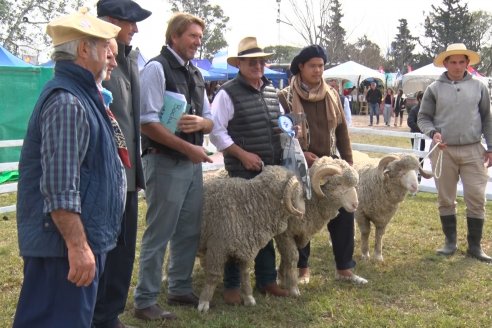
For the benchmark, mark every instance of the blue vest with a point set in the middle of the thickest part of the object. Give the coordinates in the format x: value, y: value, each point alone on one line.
x: 100, y: 174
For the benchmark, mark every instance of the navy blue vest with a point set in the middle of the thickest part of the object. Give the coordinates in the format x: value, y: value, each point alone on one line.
x: 100, y: 185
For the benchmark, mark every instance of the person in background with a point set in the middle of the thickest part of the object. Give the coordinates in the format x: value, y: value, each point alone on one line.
x: 412, y: 124
x: 389, y: 103
x: 71, y: 191
x: 322, y: 133
x: 125, y: 88
x: 245, y: 113
x: 373, y: 98
x: 173, y: 170
x: 343, y: 99
x: 455, y: 113
x: 400, y: 105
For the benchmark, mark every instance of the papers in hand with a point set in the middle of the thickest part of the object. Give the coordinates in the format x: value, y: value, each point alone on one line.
x: 173, y: 108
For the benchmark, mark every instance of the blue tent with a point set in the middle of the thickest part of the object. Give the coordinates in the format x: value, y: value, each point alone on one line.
x: 204, y: 66
x: 7, y: 59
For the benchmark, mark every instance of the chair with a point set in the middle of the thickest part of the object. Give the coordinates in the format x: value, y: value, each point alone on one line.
x: 364, y: 109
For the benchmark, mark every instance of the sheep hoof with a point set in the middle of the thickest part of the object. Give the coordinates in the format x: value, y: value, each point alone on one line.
x: 294, y: 291
x: 203, y: 306
x: 366, y: 257
x: 378, y: 258
x: 249, y: 300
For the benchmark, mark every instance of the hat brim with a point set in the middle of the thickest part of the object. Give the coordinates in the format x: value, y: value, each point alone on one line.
x: 234, y: 60
x: 472, y: 56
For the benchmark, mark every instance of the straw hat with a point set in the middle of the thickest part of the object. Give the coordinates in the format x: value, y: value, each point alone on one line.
x: 248, y: 48
x: 457, y: 49
x: 79, y: 25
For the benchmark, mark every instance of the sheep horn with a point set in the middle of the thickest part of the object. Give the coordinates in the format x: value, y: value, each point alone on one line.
x: 425, y: 174
x: 385, y: 161
x: 289, y: 190
x: 319, y: 178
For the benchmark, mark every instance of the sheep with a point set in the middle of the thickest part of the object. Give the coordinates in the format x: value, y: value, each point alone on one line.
x: 333, y: 182
x: 382, y: 187
x: 239, y: 218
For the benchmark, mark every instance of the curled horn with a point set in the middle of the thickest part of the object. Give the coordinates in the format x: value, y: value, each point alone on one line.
x: 289, y: 190
x: 320, y: 175
x: 425, y: 174
x: 385, y: 161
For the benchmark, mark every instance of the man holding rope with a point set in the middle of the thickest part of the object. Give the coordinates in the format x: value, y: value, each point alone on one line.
x: 455, y: 113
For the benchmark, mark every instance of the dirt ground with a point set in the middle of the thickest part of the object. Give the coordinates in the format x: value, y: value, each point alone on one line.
x: 362, y: 121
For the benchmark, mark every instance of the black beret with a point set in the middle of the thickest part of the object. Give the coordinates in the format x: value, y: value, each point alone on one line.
x: 126, y: 10
x: 306, y: 54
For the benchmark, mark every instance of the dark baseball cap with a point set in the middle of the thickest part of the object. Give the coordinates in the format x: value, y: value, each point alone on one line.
x: 126, y: 10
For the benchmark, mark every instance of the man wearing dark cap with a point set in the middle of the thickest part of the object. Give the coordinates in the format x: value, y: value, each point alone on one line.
x: 321, y: 133
x: 125, y: 87
x: 71, y: 188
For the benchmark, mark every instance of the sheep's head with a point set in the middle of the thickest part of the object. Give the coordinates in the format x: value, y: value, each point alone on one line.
x: 402, y: 168
x: 336, y: 178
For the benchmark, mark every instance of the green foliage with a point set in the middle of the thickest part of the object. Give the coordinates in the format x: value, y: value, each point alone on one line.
x: 282, y: 54
x: 22, y: 27
x: 335, y: 35
x: 402, y: 48
x: 365, y: 52
x: 215, y: 23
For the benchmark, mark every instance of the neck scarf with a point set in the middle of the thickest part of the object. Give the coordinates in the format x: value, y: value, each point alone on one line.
x: 322, y: 91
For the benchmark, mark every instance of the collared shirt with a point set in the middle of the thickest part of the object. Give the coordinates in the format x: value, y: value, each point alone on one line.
x: 153, y: 83
x: 65, y: 139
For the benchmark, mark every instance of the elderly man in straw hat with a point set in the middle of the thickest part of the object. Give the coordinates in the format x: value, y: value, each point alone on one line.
x: 245, y: 112
x: 455, y: 113
x: 71, y: 189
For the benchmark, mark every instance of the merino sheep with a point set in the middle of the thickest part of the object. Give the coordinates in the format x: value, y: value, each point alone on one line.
x: 239, y: 218
x: 382, y: 187
x: 333, y: 182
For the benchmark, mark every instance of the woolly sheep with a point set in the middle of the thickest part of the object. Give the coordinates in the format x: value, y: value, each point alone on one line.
x: 333, y: 182
x: 239, y: 218
x: 382, y: 187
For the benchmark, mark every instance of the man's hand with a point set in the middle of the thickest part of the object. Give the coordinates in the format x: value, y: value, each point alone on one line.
x: 197, y: 154
x: 251, y: 161
x: 310, y: 158
x: 191, y: 123
x: 487, y: 160
x: 437, y: 138
x: 82, y: 265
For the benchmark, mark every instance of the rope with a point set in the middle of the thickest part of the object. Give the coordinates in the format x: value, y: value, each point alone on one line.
x: 438, y: 171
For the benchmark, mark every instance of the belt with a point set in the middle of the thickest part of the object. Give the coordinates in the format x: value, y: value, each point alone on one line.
x: 152, y: 150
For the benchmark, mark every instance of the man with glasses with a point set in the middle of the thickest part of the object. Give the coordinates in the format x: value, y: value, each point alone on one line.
x: 245, y: 112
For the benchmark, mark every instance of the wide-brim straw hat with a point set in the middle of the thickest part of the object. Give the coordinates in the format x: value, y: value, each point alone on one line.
x: 457, y: 49
x: 248, y: 48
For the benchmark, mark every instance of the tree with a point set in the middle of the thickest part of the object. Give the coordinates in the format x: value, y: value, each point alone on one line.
x: 448, y: 24
x: 215, y: 23
x: 365, y: 52
x: 23, y: 23
x: 401, y: 52
x: 282, y: 54
x: 334, y: 34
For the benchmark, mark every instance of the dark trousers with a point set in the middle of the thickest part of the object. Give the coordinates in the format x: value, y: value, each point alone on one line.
x: 115, y: 282
x: 265, y: 270
x: 48, y: 299
x: 341, y: 230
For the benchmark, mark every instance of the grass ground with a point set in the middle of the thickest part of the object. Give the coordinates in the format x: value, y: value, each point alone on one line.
x: 414, y: 287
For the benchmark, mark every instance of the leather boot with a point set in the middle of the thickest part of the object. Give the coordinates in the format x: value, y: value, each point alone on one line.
x: 475, y: 227
x: 448, y: 223
x: 232, y: 296
x: 274, y: 289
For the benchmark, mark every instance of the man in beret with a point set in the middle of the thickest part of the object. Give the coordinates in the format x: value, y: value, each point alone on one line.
x: 71, y: 188
x: 125, y: 88
x: 321, y: 133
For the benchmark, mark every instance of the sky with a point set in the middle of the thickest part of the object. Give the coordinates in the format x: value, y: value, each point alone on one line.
x: 378, y: 19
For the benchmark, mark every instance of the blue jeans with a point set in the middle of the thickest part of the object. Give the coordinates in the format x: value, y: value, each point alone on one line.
x: 48, y: 299
x: 174, y: 214
x: 373, y: 110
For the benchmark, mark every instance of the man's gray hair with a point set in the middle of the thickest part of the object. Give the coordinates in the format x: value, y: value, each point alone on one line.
x: 68, y: 50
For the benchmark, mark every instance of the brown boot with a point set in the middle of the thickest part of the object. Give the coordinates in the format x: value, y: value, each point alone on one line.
x: 304, y: 276
x: 232, y: 296
x: 274, y: 289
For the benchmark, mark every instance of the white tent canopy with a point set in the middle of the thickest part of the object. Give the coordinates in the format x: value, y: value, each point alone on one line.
x: 354, y: 72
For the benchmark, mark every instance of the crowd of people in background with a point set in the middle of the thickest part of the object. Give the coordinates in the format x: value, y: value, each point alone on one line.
x: 81, y: 165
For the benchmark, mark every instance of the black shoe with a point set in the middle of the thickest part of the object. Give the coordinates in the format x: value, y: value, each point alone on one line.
x: 152, y: 313
x: 183, y: 300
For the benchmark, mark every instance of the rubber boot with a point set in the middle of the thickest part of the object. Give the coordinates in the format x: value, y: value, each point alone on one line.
x: 448, y: 223
x: 474, y: 237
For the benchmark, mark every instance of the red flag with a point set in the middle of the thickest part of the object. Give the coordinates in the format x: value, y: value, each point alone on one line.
x: 473, y: 71
x: 409, y: 68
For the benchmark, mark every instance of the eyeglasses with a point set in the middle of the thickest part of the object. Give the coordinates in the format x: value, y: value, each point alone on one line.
x: 254, y: 62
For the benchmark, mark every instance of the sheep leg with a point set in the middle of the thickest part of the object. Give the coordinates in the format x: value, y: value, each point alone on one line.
x: 378, y: 245
x: 213, y: 273
x: 246, y: 290
x: 365, y: 230
x: 289, y: 256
